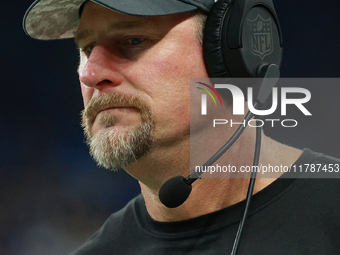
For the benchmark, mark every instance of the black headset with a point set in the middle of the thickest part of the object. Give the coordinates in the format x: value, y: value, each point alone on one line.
x: 240, y: 37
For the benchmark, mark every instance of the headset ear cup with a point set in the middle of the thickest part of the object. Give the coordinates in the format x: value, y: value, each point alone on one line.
x: 213, y: 39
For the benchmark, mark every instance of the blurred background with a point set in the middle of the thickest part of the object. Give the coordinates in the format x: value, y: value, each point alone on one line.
x: 52, y: 195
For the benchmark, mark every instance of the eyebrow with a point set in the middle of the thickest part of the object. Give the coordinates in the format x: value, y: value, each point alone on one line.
x: 116, y: 26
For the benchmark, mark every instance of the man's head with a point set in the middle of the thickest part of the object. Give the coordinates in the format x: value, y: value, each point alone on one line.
x: 146, y: 63
x: 135, y: 75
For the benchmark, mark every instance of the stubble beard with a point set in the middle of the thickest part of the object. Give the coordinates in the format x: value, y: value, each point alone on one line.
x: 114, y: 149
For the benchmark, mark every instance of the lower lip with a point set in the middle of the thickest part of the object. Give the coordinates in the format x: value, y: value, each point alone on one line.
x: 115, y: 110
x: 125, y: 116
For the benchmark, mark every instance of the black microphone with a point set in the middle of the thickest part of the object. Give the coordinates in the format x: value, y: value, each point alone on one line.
x: 175, y: 191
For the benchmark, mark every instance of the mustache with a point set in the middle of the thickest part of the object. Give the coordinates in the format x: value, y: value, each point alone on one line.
x: 109, y: 100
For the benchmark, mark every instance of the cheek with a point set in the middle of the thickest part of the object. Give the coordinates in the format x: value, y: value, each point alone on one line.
x: 178, y: 64
x: 169, y: 89
x: 169, y: 68
x: 165, y: 75
x: 87, y: 93
x: 168, y: 86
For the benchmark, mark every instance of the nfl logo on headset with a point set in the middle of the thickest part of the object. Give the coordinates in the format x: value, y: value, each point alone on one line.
x: 261, y: 38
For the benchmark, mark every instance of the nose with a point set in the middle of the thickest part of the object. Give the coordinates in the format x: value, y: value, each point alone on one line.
x: 101, y: 70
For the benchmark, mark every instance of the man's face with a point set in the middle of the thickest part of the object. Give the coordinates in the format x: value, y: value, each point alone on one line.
x: 135, y: 76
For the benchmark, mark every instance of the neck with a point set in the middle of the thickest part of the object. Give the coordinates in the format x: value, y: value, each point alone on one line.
x: 209, y: 195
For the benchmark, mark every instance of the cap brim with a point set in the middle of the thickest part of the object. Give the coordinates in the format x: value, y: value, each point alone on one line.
x: 59, y: 19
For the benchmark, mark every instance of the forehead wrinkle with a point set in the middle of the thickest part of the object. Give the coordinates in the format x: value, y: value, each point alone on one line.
x: 126, y: 25
x: 112, y: 27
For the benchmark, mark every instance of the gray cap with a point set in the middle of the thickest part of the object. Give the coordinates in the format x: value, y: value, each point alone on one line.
x: 59, y: 19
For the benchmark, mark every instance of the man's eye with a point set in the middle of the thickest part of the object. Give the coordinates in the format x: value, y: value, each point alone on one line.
x: 87, y: 50
x: 135, y: 40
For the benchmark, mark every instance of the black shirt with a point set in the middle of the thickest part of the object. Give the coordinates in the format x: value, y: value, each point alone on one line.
x: 290, y: 216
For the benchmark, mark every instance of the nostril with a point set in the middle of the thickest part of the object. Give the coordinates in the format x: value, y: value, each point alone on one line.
x: 103, y: 83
